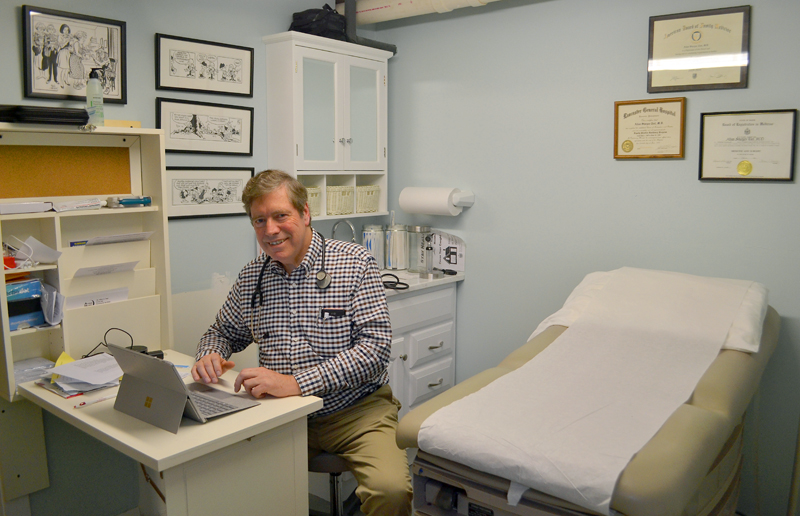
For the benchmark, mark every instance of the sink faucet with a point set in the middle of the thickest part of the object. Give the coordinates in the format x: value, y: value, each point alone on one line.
x: 352, y: 229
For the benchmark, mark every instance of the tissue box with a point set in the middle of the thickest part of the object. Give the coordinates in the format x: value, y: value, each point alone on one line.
x: 24, y: 306
x: 23, y: 289
x: 25, y: 320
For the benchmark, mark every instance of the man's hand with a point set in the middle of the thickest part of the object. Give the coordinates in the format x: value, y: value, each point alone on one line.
x: 210, y: 367
x: 260, y: 381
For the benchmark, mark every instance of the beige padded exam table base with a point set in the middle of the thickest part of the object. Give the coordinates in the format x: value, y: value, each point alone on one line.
x: 690, y: 467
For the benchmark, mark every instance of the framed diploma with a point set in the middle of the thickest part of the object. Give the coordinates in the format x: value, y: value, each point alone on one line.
x: 649, y: 128
x: 701, y: 50
x: 748, y: 145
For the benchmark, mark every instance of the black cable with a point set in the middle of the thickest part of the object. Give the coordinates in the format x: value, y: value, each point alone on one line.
x: 105, y: 343
x: 394, y: 284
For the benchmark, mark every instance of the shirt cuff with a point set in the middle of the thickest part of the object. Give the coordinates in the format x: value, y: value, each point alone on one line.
x: 310, y: 381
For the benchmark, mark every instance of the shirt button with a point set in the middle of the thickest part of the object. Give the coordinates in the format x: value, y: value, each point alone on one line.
x: 293, y: 312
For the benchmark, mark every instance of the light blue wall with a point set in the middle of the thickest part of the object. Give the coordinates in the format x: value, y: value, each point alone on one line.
x: 515, y: 101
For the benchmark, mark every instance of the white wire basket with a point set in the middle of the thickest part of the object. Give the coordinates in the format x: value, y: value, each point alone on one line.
x: 367, y: 198
x: 314, y: 200
x: 339, y: 200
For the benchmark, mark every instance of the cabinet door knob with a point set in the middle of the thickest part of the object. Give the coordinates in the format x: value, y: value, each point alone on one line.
x: 437, y: 384
x: 403, y: 357
x: 341, y: 140
x: 349, y: 140
x: 437, y: 346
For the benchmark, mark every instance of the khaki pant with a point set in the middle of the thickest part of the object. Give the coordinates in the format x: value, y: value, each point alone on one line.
x: 364, y: 435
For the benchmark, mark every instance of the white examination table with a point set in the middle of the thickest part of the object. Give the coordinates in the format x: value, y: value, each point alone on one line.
x: 690, y: 467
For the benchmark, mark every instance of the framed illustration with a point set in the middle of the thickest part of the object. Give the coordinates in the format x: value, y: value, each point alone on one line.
x: 700, y: 50
x: 649, y: 128
x: 748, y: 145
x: 205, y: 128
x: 60, y: 50
x: 206, y: 191
x: 184, y: 64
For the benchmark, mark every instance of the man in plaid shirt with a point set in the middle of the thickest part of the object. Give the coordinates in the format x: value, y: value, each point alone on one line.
x: 314, y: 338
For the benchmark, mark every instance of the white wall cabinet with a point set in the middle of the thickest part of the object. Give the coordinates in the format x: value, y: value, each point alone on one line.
x: 146, y: 314
x: 423, y: 344
x: 327, y: 116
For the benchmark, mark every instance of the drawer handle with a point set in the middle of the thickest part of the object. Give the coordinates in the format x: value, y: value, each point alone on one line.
x: 437, y: 384
x: 403, y: 357
x: 437, y: 346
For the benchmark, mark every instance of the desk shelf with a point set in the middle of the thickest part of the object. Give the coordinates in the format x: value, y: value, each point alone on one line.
x: 146, y: 314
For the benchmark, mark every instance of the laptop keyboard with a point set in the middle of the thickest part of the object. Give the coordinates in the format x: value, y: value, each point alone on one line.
x: 209, y: 406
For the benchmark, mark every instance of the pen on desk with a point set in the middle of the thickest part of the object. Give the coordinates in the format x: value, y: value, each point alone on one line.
x: 92, y: 402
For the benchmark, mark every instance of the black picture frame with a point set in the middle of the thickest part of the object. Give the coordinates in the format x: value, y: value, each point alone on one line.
x: 201, y: 192
x: 748, y: 146
x: 59, y: 49
x: 205, y: 127
x: 699, y: 50
x: 186, y: 64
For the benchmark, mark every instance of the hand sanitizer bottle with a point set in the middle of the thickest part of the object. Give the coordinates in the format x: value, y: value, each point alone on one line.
x: 94, y: 98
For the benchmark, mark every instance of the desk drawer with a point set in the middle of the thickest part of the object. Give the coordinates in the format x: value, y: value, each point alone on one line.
x: 428, y: 381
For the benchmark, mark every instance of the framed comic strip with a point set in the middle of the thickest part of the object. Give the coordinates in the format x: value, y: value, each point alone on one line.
x: 184, y: 64
x: 204, y: 127
x: 60, y: 49
x: 206, y: 191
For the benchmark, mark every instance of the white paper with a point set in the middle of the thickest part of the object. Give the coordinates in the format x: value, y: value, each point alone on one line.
x: 105, y: 269
x: 96, y: 370
x: 449, y: 251
x: 97, y: 298
x: 40, y: 252
x: 115, y: 239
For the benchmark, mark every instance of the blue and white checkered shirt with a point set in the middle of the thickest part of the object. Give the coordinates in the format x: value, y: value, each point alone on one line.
x: 336, y: 342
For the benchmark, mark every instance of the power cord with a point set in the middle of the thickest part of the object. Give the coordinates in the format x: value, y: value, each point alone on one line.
x: 105, y: 343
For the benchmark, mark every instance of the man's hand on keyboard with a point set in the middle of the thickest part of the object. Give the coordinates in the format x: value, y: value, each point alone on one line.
x: 260, y: 381
x: 210, y: 367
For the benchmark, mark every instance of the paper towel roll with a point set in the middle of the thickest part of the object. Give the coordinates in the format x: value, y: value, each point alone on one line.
x: 429, y: 201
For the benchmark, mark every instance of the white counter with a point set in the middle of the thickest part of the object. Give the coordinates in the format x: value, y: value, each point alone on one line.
x: 415, y: 283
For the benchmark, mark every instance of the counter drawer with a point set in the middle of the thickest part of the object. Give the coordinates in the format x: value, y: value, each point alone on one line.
x: 422, y: 309
x: 428, y: 381
x: 430, y: 342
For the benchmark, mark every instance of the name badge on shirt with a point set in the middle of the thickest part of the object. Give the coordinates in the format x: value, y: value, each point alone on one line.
x: 331, y: 313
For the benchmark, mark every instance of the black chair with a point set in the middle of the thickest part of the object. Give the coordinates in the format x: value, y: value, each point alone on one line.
x: 334, y: 466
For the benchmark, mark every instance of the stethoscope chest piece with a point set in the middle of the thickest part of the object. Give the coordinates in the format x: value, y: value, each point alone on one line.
x: 323, y: 279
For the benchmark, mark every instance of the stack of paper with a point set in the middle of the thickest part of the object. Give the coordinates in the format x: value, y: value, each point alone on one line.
x: 84, y: 375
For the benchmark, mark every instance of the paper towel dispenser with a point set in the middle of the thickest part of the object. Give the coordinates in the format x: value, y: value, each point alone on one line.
x: 435, y: 201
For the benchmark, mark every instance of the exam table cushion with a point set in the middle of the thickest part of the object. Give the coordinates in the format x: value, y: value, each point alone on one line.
x: 744, y: 334
x: 664, y: 475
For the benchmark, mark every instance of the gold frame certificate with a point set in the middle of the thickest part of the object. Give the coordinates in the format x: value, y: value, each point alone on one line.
x: 748, y: 145
x: 649, y: 128
x: 700, y: 50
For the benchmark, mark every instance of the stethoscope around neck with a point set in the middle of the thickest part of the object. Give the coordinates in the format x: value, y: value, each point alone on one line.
x: 322, y: 279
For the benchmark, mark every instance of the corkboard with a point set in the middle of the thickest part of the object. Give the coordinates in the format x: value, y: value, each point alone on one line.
x: 60, y: 171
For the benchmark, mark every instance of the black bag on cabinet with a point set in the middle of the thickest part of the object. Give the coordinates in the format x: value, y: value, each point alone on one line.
x: 325, y: 22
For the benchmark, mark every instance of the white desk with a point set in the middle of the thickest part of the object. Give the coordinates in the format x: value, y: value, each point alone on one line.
x: 250, y: 462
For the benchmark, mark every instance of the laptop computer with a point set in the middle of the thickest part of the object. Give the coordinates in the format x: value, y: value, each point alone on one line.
x: 153, y: 391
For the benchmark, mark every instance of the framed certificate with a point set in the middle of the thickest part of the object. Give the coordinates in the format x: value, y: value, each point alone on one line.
x: 748, y: 145
x: 649, y: 128
x: 701, y: 50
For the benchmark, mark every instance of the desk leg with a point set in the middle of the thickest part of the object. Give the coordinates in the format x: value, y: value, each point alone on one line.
x: 267, y: 474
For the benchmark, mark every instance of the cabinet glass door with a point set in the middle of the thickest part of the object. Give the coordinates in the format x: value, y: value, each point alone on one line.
x: 319, y: 125
x: 364, y: 149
